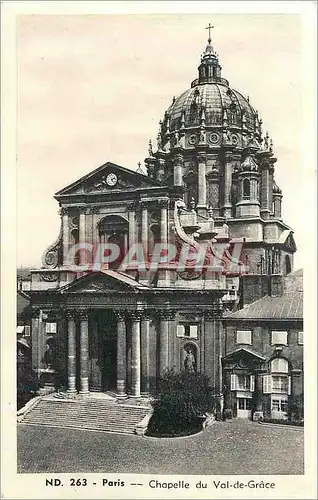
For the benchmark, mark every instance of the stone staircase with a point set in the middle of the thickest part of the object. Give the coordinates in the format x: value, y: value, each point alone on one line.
x: 92, y: 414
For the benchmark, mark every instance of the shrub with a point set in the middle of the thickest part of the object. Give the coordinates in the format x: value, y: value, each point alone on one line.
x: 27, y: 384
x: 282, y: 421
x: 180, y: 403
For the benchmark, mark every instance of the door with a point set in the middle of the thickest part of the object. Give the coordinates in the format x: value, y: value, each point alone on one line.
x: 244, y: 408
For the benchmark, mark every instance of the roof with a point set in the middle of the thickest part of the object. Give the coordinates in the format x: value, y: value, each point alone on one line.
x: 286, y: 307
x: 23, y: 302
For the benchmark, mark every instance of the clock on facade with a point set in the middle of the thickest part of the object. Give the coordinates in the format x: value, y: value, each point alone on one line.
x: 111, y: 179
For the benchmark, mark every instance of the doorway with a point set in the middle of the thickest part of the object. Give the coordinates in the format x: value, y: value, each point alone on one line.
x: 107, y: 333
x: 244, y: 407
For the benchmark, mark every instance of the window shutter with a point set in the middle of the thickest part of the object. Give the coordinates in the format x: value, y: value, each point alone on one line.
x: 267, y: 384
x: 300, y: 338
x: 233, y: 382
x: 180, y: 331
x: 289, y: 386
x: 252, y: 383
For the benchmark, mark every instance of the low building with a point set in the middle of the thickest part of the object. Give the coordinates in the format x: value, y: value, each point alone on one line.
x: 263, y: 352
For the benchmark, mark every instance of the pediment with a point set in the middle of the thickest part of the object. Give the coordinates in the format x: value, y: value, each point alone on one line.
x: 242, y: 358
x: 100, y: 282
x: 287, y: 240
x: 106, y: 179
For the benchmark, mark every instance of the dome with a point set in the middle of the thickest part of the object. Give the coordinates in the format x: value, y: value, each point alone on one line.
x: 214, y: 98
x: 210, y: 113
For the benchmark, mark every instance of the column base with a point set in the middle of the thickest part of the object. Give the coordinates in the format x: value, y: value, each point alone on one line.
x: 121, y: 396
x: 84, y: 393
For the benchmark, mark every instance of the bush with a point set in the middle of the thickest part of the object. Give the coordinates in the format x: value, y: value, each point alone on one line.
x: 27, y: 384
x: 180, y: 404
x: 282, y: 421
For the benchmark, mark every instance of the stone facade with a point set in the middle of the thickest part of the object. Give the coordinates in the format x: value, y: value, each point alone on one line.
x: 209, y: 187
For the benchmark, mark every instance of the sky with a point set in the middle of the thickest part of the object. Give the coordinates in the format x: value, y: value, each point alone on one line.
x: 92, y: 88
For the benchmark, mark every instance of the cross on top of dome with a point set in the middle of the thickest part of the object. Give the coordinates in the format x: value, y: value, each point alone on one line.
x: 209, y: 28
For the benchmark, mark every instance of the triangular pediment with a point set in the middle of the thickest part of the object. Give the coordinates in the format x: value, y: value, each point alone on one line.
x: 107, y: 178
x: 287, y: 240
x: 107, y: 281
x: 242, y: 358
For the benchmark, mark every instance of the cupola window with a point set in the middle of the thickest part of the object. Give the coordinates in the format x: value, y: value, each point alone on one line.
x: 246, y: 189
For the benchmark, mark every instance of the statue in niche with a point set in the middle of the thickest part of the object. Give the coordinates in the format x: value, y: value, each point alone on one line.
x: 189, y: 362
x: 50, y: 354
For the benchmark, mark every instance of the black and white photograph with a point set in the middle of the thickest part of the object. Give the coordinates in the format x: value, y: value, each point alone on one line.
x: 158, y: 324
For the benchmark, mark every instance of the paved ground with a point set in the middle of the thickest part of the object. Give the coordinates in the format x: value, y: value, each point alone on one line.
x: 233, y: 447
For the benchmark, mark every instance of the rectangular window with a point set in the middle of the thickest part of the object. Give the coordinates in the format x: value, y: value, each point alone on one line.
x: 301, y: 338
x: 50, y: 327
x: 279, y: 383
x: 243, y: 382
x: 27, y: 331
x: 244, y: 337
x: 187, y: 330
x: 279, y: 338
x: 279, y: 404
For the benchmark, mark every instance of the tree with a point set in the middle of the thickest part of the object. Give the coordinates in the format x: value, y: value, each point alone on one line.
x: 180, y: 403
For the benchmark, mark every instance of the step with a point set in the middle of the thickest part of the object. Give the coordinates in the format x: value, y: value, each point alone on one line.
x: 92, y: 415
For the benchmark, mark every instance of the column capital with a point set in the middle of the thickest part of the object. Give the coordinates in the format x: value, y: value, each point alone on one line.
x: 144, y: 205
x: 94, y: 209
x: 35, y: 312
x: 215, y: 312
x: 132, y: 206
x: 163, y: 202
x: 64, y: 211
x: 135, y: 315
x: 69, y: 314
x: 82, y: 314
x: 201, y: 157
x: 120, y: 315
x: 82, y: 210
x: 166, y: 314
x: 177, y: 160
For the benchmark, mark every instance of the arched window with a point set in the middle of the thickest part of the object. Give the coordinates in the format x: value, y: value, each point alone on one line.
x: 279, y: 365
x: 113, y: 233
x: 246, y: 188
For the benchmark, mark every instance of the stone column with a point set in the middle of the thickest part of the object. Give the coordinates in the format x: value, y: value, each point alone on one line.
x: 84, y: 352
x: 135, y: 353
x: 132, y: 225
x: 71, y: 352
x: 227, y: 206
x: 162, y: 272
x: 95, y: 236
x: 213, y: 344
x: 201, y: 206
x: 177, y: 170
x: 82, y: 234
x: 121, y: 354
x: 145, y: 380
x: 66, y: 235
x: 165, y: 316
x: 144, y: 229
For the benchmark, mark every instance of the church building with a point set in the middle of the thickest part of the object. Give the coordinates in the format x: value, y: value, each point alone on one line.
x: 148, y: 261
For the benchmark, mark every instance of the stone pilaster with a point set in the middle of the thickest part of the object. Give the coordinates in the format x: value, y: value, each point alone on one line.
x: 66, y: 235
x: 177, y: 170
x: 83, y: 352
x: 165, y: 316
x: 82, y: 234
x: 121, y: 354
x: 201, y: 205
x: 144, y: 229
x: 227, y: 206
x: 71, y: 352
x: 145, y: 366
x: 132, y: 224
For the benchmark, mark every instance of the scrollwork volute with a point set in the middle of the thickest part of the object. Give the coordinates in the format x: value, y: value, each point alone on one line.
x: 52, y: 257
